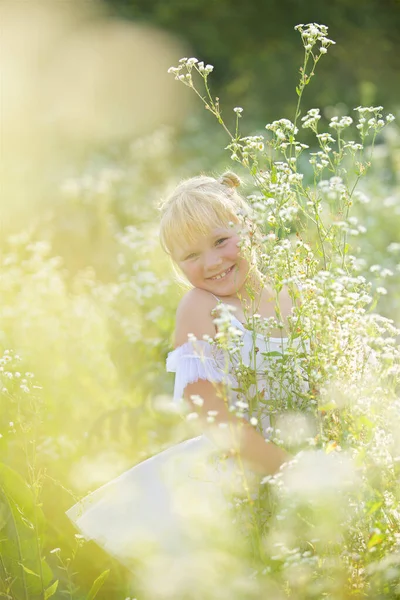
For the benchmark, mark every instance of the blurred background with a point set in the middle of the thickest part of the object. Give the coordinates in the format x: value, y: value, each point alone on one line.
x: 256, y: 54
x: 94, y: 134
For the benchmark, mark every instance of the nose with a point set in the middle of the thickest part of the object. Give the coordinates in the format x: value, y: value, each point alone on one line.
x: 212, y: 261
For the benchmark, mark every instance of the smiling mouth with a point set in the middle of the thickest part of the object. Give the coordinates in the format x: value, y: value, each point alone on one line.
x: 222, y: 275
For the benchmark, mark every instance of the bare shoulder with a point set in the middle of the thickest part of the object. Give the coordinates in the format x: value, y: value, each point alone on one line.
x: 194, y: 316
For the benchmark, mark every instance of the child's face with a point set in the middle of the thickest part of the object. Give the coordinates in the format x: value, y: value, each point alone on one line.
x: 214, y: 263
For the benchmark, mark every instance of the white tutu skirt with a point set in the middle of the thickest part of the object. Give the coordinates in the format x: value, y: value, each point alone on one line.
x: 171, y: 503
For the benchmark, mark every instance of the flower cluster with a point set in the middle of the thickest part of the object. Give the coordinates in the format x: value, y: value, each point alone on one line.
x: 284, y: 130
x: 311, y: 119
x: 370, y: 118
x: 314, y: 33
x: 340, y: 124
x: 183, y: 72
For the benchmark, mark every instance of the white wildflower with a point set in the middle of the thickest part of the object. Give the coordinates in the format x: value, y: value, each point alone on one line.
x: 192, y: 416
x: 197, y: 400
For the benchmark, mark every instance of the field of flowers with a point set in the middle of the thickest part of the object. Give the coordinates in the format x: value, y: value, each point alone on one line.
x: 86, y: 323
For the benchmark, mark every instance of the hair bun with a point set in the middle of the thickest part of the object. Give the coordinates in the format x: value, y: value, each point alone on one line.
x: 229, y: 179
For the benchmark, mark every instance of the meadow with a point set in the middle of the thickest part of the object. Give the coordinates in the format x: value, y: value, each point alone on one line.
x: 86, y: 323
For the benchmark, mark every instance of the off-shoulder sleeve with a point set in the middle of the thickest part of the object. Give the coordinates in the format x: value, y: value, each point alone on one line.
x: 197, y: 360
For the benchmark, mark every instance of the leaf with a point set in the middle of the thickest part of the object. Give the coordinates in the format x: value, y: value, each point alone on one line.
x: 4, y: 516
x: 97, y: 584
x: 29, y: 571
x: 20, y: 543
x: 24, y: 501
x: 328, y: 406
x: 272, y: 353
x: 377, y: 538
x: 376, y: 506
x: 363, y: 420
x: 51, y: 590
x: 330, y: 447
x: 298, y: 91
x: 47, y: 573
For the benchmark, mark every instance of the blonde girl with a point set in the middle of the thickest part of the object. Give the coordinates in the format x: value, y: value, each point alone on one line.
x: 164, y: 505
x: 202, y: 230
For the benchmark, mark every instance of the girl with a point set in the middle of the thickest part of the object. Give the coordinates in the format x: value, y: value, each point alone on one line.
x: 166, y: 504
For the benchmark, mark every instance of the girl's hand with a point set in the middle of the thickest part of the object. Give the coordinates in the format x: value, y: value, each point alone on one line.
x: 234, y: 435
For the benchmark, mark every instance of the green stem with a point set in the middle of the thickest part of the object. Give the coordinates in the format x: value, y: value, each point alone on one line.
x: 300, y: 95
x: 347, y: 216
x: 215, y: 110
x: 31, y: 463
x: 21, y: 560
x: 302, y: 85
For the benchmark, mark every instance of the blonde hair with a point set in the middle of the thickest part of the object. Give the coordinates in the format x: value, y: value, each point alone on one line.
x: 197, y: 205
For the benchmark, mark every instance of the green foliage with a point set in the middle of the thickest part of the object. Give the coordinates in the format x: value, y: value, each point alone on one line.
x: 22, y: 528
x: 98, y: 584
x: 256, y: 55
x: 325, y: 535
x: 88, y: 307
x: 51, y: 590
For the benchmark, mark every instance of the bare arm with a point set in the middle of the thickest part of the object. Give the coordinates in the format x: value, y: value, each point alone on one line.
x: 238, y: 436
x: 194, y: 316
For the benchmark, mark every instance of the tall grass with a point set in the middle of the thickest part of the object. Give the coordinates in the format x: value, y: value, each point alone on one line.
x: 84, y: 394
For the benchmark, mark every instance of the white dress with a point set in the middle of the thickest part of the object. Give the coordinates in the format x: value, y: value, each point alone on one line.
x: 168, y: 503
